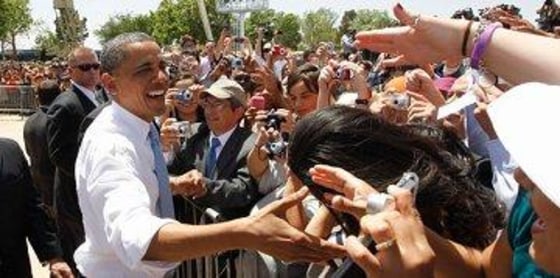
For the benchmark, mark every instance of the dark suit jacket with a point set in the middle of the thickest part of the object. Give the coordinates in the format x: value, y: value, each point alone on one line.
x: 36, y: 146
x: 21, y: 216
x: 64, y: 118
x: 231, y: 189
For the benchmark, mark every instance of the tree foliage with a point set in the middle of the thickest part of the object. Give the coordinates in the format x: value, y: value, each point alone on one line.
x: 318, y: 26
x: 346, y: 22
x: 124, y: 23
x: 175, y: 18
x: 49, y: 44
x: 15, y: 20
x: 288, y: 23
x: 372, y: 19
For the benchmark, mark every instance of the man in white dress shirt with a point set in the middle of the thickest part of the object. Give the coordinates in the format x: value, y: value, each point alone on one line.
x: 120, y: 193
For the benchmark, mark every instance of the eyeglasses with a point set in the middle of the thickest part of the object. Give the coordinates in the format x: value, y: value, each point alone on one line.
x: 205, y: 103
x: 88, y: 67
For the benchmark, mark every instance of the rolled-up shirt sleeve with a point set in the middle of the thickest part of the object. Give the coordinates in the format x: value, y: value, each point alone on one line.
x: 126, y: 208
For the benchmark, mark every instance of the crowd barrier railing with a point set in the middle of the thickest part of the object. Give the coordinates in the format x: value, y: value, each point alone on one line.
x: 17, y: 99
x: 217, y: 265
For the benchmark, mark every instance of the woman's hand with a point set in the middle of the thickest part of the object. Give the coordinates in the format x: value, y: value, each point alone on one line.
x: 403, y: 249
x: 170, y: 136
x: 421, y: 41
x: 354, y: 190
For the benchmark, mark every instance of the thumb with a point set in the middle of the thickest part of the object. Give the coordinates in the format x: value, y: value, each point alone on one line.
x: 361, y: 256
x: 293, y: 199
x: 402, y: 15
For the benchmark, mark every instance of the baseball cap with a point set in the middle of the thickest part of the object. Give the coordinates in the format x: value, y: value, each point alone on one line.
x: 225, y: 88
x: 524, y: 120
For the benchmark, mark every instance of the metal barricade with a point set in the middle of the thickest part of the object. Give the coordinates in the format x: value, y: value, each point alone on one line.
x: 17, y: 99
x: 217, y: 265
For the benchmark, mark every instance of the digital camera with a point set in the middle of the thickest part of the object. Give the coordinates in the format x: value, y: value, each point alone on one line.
x: 273, y: 120
x: 278, y: 50
x: 184, y: 96
x: 237, y: 63
x: 277, y: 148
x: 399, y: 101
x: 344, y: 74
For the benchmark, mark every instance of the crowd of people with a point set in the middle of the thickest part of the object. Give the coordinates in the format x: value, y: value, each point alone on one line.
x: 433, y: 158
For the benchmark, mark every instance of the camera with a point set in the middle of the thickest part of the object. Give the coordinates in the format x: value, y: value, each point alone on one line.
x: 172, y: 71
x: 344, y: 74
x: 278, y: 50
x: 399, y: 101
x: 276, y: 148
x: 273, y: 120
x: 184, y: 128
x: 239, y: 40
x: 258, y: 102
x: 184, y: 96
x: 237, y: 63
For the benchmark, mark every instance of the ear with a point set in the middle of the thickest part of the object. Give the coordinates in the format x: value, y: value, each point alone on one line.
x: 109, y: 83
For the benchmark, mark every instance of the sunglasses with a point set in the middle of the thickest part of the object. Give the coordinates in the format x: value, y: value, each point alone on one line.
x: 88, y: 67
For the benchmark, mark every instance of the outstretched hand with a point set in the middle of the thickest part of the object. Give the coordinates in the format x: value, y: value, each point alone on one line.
x: 279, y: 239
x: 354, y: 190
x: 421, y: 41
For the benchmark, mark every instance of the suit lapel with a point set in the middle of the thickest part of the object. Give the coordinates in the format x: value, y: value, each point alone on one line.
x: 87, y: 104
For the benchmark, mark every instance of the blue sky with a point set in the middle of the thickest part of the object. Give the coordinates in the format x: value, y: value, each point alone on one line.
x: 98, y: 11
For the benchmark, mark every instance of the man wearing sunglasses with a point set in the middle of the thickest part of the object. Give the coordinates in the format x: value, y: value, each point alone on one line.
x: 64, y: 117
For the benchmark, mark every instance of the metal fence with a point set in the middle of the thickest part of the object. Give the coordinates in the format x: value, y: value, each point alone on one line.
x: 217, y: 265
x: 17, y: 99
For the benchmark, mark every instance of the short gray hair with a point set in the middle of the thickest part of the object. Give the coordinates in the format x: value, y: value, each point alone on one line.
x: 114, y: 53
x: 72, y: 58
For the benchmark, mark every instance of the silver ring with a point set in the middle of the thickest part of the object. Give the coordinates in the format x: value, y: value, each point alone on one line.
x: 377, y: 202
x: 415, y: 21
x: 385, y: 245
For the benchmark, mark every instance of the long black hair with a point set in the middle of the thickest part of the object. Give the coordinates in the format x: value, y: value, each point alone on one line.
x: 450, y: 201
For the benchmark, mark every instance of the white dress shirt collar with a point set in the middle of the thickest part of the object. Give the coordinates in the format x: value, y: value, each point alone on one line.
x: 223, y: 139
x: 133, y: 124
x: 89, y: 93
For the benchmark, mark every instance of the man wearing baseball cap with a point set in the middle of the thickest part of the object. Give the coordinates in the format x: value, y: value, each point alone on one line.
x: 216, y: 154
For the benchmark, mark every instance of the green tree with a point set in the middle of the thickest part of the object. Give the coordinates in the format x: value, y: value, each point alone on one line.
x: 124, y: 23
x: 318, y: 26
x: 372, y: 19
x: 47, y: 42
x: 346, y: 21
x: 15, y: 20
x: 288, y: 23
x: 175, y: 18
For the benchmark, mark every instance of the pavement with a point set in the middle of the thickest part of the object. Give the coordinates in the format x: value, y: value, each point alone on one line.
x: 11, y: 126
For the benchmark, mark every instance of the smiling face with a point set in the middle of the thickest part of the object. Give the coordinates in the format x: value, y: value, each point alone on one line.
x: 546, y: 229
x: 140, y: 82
x: 302, y: 99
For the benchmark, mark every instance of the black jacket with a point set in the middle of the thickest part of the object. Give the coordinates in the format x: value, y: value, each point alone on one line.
x: 21, y: 216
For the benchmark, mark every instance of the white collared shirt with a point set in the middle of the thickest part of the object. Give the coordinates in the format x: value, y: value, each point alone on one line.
x: 89, y: 93
x: 117, y: 192
x: 223, y: 140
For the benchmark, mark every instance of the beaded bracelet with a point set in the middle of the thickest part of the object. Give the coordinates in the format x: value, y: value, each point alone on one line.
x: 481, y: 41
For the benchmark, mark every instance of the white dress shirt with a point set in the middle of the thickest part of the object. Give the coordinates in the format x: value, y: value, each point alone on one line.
x: 223, y: 140
x: 117, y: 192
x: 89, y: 93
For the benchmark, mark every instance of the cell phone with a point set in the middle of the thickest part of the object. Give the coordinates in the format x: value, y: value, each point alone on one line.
x: 259, y: 102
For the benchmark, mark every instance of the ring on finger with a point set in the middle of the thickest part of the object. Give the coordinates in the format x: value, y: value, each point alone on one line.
x: 415, y: 21
x: 385, y: 245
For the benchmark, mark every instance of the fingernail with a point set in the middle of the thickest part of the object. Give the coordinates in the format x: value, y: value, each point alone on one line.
x: 392, y: 189
x: 400, y: 6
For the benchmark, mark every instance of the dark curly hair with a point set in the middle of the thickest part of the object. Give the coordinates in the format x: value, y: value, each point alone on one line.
x: 450, y: 201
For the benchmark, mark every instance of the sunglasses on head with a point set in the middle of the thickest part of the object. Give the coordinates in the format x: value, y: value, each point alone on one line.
x: 88, y: 67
